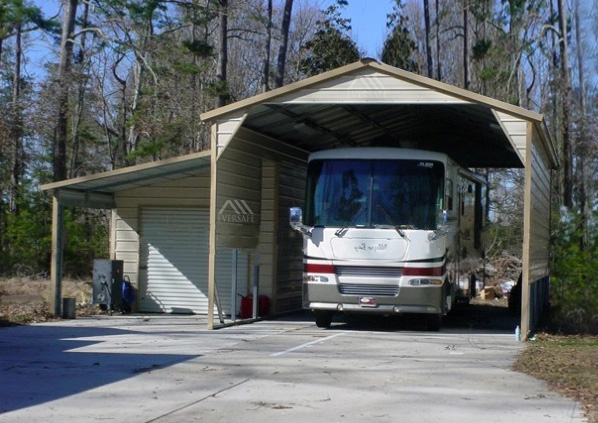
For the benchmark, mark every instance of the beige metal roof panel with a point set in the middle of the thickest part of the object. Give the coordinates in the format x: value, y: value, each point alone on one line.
x: 368, y: 86
x: 97, y: 190
x: 329, y: 79
x: 516, y: 130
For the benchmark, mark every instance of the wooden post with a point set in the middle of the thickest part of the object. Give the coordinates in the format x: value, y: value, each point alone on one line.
x: 527, y: 228
x: 213, y: 221
x: 56, y: 266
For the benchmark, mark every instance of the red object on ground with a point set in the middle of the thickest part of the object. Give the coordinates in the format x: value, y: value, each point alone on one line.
x: 263, y: 308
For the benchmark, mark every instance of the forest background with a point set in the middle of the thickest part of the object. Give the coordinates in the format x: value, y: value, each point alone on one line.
x: 126, y: 81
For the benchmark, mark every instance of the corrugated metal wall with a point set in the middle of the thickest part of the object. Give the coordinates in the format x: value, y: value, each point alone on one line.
x: 289, y: 275
x: 536, y: 236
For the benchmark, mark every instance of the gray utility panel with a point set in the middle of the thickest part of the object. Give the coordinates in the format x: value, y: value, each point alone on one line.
x: 107, y: 283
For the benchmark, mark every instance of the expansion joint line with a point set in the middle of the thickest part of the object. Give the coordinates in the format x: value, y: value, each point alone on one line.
x: 176, y: 410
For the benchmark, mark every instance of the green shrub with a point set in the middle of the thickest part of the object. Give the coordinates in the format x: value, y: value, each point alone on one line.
x: 574, y: 278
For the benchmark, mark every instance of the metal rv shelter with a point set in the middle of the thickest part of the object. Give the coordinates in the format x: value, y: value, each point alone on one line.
x: 195, y: 232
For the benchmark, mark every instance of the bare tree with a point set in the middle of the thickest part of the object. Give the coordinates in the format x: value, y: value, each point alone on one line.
x: 582, y: 150
x: 17, y: 128
x: 268, y: 46
x: 282, y: 51
x: 438, y: 62
x: 566, y: 107
x: 64, y: 82
x: 465, y: 45
x: 222, y: 52
x: 428, y: 48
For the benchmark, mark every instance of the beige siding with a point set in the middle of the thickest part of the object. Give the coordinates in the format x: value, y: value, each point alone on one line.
x: 369, y: 86
x: 291, y: 193
x: 539, y: 208
x: 263, y: 173
x: 267, y: 242
x: 238, y: 199
x: 186, y: 192
x: 536, y: 226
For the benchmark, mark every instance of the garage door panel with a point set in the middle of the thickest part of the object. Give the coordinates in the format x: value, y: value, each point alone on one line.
x: 174, y: 262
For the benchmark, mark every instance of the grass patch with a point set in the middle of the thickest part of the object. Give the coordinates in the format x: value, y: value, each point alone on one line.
x: 569, y: 364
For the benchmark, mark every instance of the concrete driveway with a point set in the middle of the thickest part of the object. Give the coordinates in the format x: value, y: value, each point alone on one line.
x: 169, y: 369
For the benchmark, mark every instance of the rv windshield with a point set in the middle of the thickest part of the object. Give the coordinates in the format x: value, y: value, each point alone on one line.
x: 407, y: 194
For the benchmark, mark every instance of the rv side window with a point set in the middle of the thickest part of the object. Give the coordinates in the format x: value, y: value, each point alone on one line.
x: 449, y: 194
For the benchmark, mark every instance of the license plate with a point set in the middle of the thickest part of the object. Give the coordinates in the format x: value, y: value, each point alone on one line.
x: 368, y: 302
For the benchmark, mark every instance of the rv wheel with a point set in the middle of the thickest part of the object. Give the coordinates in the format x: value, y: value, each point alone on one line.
x: 433, y: 322
x: 323, y: 318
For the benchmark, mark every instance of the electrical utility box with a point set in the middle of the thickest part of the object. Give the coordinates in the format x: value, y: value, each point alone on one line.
x: 107, y: 283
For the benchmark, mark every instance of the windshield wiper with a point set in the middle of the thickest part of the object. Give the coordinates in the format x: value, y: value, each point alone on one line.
x: 394, y: 225
x: 339, y: 232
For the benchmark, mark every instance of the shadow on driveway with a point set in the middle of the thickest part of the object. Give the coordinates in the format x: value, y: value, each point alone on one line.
x: 42, y: 363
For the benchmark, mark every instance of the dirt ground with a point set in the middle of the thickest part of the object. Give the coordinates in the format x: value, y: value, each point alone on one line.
x: 27, y: 300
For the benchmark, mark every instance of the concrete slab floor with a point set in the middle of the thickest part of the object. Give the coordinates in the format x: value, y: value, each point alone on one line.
x: 170, y: 369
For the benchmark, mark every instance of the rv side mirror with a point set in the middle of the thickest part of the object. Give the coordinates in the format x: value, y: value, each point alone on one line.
x: 443, y: 227
x: 296, y: 217
x: 296, y: 221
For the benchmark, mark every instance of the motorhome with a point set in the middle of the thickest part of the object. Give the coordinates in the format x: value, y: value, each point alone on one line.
x: 389, y: 231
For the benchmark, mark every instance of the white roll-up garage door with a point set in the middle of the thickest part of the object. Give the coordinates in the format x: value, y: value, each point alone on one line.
x: 174, y: 263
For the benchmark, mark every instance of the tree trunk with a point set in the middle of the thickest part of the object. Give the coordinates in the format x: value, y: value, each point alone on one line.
x: 282, y: 52
x: 64, y: 67
x: 222, y: 53
x: 16, y: 129
x: 428, y: 48
x: 268, y: 45
x: 465, y: 47
x: 438, y: 65
x: 566, y: 105
x: 78, y: 114
x: 582, y: 150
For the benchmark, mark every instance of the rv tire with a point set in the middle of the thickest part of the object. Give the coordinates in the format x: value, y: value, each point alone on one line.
x: 433, y: 322
x: 323, y: 318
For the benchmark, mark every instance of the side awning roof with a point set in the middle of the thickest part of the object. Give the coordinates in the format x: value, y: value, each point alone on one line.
x: 97, y: 190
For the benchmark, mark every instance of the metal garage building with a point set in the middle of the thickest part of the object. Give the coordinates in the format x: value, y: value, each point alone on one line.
x: 187, y: 227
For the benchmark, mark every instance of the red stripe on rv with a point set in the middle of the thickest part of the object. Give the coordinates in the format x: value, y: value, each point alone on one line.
x: 318, y: 268
x: 423, y: 271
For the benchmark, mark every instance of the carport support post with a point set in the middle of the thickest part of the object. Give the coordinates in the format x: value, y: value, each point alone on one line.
x: 56, y: 266
x: 213, y: 221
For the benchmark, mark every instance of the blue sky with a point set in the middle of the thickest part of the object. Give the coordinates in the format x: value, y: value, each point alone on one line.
x: 368, y: 21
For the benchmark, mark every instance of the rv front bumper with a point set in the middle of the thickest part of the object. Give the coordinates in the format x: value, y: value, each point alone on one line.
x: 326, y: 296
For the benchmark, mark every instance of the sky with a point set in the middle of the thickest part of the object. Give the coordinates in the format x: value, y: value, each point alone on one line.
x: 368, y: 22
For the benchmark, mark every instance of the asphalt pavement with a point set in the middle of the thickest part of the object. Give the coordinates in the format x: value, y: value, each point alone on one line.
x: 169, y: 369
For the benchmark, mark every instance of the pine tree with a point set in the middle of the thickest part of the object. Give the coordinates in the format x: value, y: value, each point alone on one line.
x: 399, y: 47
x: 331, y: 46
